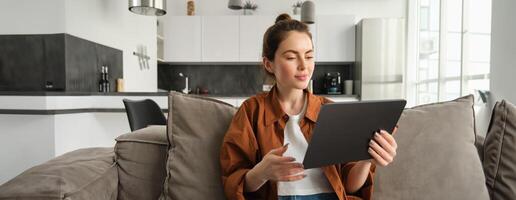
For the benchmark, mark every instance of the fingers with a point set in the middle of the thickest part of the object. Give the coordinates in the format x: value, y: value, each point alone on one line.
x: 377, y: 158
x: 380, y: 151
x: 389, y: 138
x: 385, y: 143
x: 279, y: 151
x: 292, y: 178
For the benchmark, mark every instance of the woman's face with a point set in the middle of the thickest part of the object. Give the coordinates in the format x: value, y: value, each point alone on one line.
x: 293, y: 62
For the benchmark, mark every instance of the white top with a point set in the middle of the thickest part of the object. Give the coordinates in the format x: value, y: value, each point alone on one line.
x: 315, y: 182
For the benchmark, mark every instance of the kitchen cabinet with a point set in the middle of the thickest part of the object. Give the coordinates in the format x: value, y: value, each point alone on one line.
x: 220, y: 37
x: 240, y: 38
x: 251, y: 30
x: 335, y: 38
x: 182, y: 41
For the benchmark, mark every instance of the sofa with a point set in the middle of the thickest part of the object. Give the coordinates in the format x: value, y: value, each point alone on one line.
x: 439, y: 157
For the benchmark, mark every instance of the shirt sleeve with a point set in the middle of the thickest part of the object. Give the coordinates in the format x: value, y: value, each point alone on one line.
x: 366, y: 191
x: 238, y: 154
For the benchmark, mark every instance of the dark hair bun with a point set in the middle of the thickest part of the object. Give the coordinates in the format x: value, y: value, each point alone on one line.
x: 283, y: 17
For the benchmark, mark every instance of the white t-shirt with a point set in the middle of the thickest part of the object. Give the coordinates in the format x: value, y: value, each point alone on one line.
x: 315, y: 182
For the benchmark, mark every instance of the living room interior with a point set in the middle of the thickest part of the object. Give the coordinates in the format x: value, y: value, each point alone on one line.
x: 72, y: 71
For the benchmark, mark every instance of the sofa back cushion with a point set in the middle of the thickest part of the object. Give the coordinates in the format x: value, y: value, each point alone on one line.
x: 196, y: 128
x: 141, y: 157
x: 437, y: 157
x: 500, y: 152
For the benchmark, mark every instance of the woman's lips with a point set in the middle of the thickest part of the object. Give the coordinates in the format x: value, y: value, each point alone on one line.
x: 302, y: 77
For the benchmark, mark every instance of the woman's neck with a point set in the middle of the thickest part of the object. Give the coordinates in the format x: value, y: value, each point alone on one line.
x: 291, y: 99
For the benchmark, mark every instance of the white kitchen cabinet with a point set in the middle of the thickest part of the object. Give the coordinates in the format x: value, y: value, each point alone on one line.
x: 220, y: 37
x: 335, y: 38
x: 251, y: 32
x: 182, y: 41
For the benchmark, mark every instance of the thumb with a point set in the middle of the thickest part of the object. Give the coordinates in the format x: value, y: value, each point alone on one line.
x: 279, y: 151
x: 395, y: 130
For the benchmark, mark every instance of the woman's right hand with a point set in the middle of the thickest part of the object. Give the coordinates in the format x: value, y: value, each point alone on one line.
x: 274, y: 167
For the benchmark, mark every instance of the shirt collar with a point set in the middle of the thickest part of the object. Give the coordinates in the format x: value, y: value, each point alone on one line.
x: 274, y: 112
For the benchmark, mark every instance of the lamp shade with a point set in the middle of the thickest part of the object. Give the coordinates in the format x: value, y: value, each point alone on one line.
x: 235, y: 4
x: 308, y: 12
x: 148, y: 7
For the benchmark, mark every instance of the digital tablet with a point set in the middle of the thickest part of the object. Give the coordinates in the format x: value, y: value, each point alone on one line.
x: 343, y: 130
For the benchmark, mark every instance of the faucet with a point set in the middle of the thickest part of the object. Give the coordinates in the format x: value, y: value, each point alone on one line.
x: 186, y: 90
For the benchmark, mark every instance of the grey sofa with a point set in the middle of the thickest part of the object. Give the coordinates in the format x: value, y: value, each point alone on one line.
x: 136, y: 168
x: 133, y: 169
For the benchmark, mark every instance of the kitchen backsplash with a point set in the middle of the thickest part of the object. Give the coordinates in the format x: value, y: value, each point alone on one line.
x: 58, y: 62
x: 235, y: 79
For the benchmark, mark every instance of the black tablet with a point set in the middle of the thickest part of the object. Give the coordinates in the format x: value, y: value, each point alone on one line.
x: 343, y: 130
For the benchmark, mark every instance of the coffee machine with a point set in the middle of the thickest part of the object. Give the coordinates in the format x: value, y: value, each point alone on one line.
x: 332, y: 83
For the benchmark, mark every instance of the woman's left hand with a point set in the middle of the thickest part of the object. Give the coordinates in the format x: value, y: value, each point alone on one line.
x: 383, y: 147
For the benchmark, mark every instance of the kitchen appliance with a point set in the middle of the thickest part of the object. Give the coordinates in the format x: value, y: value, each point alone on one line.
x: 332, y: 83
x: 380, y: 58
x: 148, y: 7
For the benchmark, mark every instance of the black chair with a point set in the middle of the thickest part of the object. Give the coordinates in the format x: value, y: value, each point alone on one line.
x: 142, y: 113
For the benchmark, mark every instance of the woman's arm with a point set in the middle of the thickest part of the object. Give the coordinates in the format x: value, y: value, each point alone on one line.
x: 357, y: 176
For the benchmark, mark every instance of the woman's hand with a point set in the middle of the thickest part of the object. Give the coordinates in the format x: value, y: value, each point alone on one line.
x: 274, y: 167
x: 383, y: 147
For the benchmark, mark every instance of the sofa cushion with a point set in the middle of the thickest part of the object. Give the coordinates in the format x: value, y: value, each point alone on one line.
x: 141, y: 156
x: 500, y: 152
x: 437, y: 157
x: 81, y: 174
x: 196, y: 128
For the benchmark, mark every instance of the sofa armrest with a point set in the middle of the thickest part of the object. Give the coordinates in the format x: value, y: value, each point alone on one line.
x: 82, y: 174
x: 141, y: 157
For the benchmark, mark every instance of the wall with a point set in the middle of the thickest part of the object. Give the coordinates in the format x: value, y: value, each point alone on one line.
x: 110, y: 23
x: 106, y: 22
x: 359, y: 8
x: 503, y: 49
x: 32, y: 17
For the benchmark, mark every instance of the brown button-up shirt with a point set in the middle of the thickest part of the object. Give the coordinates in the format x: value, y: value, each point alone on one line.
x: 256, y: 129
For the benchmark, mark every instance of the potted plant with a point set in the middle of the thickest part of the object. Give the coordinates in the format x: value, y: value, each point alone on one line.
x: 249, y: 7
x: 297, y: 7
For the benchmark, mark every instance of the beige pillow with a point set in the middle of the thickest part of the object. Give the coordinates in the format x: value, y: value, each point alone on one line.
x: 196, y: 128
x: 437, y: 157
x: 500, y: 152
x: 141, y: 157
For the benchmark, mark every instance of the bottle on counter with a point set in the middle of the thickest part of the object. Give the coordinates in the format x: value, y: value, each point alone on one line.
x: 101, y: 81
x: 106, y: 80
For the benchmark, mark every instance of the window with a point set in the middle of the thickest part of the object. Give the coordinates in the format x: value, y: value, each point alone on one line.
x: 453, y: 49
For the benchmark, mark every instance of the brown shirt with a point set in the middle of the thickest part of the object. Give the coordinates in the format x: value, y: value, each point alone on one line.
x: 256, y: 129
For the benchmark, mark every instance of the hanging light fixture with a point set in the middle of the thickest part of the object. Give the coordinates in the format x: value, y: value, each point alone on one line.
x: 235, y: 4
x: 308, y: 12
x: 148, y: 7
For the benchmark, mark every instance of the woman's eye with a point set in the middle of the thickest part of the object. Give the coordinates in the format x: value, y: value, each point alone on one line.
x: 291, y: 58
x: 309, y: 57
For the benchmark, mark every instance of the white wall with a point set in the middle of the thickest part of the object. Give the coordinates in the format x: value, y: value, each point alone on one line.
x: 31, y: 17
x: 503, y: 50
x: 110, y: 23
x: 359, y: 8
x: 107, y: 22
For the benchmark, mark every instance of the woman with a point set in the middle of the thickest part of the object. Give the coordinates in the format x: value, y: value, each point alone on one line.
x: 268, y: 136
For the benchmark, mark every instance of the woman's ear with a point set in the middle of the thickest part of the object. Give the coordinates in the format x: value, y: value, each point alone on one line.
x: 268, y: 65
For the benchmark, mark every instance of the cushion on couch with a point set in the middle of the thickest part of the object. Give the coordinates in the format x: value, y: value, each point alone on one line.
x: 81, y: 174
x: 437, y: 157
x: 500, y: 152
x: 196, y: 128
x: 141, y: 156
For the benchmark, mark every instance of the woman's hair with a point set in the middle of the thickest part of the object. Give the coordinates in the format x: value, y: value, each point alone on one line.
x: 278, y: 32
